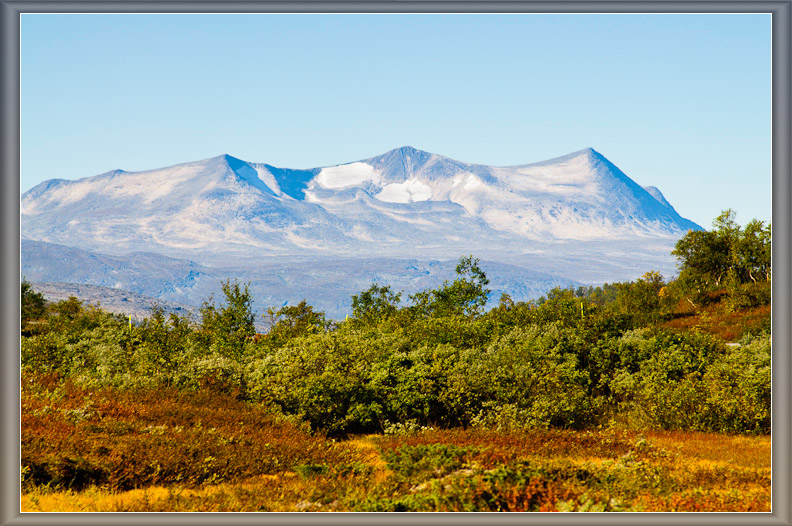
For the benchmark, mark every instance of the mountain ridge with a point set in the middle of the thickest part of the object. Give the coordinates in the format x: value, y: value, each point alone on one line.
x: 403, y: 203
x: 406, y: 215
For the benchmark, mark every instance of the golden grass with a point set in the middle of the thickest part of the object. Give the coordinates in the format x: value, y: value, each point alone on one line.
x: 710, y: 472
x: 736, y: 450
x: 260, y: 463
x: 370, y: 455
x: 146, y: 499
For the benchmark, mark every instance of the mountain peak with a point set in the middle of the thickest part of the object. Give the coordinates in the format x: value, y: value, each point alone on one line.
x: 232, y: 162
x: 404, y: 161
x: 589, y: 152
x: 224, y: 158
x: 408, y: 152
x: 407, y: 149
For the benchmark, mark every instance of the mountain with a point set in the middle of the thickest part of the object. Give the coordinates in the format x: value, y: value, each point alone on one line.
x: 405, y: 202
x: 576, y: 218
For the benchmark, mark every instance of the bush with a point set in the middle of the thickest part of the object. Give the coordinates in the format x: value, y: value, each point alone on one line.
x: 571, y: 360
x: 695, y: 382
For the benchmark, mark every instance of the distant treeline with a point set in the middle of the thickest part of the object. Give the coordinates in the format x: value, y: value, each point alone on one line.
x: 572, y: 359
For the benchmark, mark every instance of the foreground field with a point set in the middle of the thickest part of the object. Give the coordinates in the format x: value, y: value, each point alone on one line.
x: 167, y: 450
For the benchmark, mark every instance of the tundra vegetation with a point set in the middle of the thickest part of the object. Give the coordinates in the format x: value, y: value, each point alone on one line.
x: 638, y: 396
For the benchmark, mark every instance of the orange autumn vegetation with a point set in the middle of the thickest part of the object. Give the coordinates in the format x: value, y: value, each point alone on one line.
x: 162, y: 450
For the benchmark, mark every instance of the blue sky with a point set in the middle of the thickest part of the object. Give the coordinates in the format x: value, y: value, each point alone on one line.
x: 681, y: 102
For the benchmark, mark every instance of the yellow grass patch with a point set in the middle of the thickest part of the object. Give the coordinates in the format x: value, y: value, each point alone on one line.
x: 737, y: 450
x: 370, y: 455
x: 100, y: 500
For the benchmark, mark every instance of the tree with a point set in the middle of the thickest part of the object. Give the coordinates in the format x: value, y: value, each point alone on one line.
x: 753, y: 252
x: 705, y: 257
x: 291, y: 321
x: 232, y: 324
x: 727, y: 257
x: 466, y: 295
x: 68, y: 309
x: 162, y: 341
x: 506, y: 302
x: 642, y: 299
x: 708, y: 257
x: 32, y: 304
x: 560, y: 305
x: 375, y: 304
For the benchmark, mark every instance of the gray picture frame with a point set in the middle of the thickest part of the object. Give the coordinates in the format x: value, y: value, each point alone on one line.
x: 10, y: 12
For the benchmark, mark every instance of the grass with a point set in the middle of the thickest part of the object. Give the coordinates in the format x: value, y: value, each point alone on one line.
x: 74, y: 438
x: 165, y: 450
x: 717, y: 319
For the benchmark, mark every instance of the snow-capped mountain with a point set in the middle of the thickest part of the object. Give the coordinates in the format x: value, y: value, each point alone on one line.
x: 402, y: 219
x: 404, y: 203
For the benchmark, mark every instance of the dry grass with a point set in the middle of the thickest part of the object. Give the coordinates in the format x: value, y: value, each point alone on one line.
x: 751, y: 452
x: 163, y: 450
x: 670, y: 472
x: 370, y: 455
x: 73, y: 438
x: 717, y: 320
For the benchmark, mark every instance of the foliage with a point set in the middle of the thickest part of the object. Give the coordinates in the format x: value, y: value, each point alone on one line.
x: 564, y: 362
x: 162, y: 342
x: 375, y: 304
x: 644, y: 298
x: 32, y: 304
x: 437, y: 470
x: 292, y: 321
x: 515, y: 408
x: 465, y: 296
x: 551, y: 470
x: 227, y: 328
x: 726, y: 255
x: 73, y: 437
x: 571, y: 360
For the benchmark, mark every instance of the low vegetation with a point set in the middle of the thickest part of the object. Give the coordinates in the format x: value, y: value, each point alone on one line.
x: 638, y: 396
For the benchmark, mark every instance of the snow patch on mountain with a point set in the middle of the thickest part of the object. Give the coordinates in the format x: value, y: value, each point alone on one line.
x: 410, y: 191
x: 569, y: 177
x: 472, y: 182
x: 346, y: 175
x: 268, y: 179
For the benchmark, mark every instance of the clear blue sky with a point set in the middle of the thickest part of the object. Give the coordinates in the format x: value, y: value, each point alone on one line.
x: 681, y: 102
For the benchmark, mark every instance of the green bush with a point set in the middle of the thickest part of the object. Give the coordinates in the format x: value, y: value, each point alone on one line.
x: 571, y: 360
